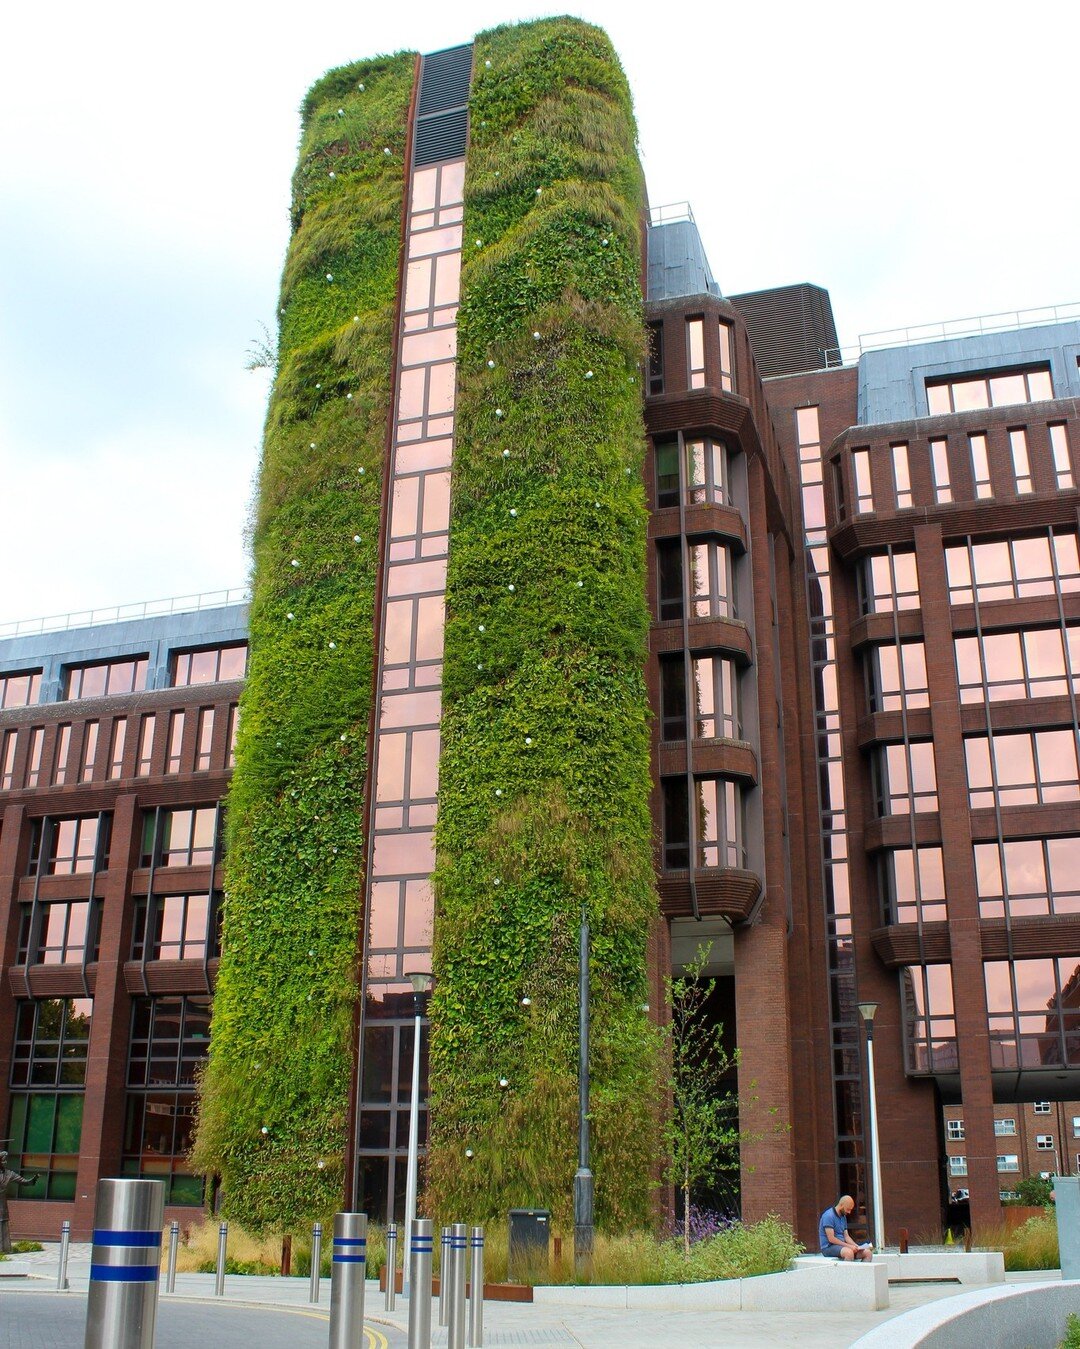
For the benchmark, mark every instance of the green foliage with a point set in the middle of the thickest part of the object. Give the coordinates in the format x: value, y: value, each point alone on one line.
x: 274, y: 1099
x: 1032, y: 1245
x: 544, y: 776
x: 25, y: 1247
x: 701, y: 1133
x: 1035, y: 1191
x: 1072, y: 1332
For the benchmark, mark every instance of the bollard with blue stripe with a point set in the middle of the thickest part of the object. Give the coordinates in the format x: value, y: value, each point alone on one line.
x: 348, y: 1270
x: 390, y: 1296
x: 455, y: 1278
x: 421, y: 1241
x: 124, y: 1264
x: 476, y: 1288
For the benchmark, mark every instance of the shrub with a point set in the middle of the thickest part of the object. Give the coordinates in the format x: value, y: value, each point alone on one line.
x: 1072, y: 1333
x: 24, y: 1247
x: 1035, y: 1191
x: 1032, y: 1245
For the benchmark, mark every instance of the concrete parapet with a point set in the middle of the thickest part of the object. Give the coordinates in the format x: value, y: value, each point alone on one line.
x: 1033, y: 1316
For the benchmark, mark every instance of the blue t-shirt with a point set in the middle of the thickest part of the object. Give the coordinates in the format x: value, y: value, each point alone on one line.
x: 838, y: 1223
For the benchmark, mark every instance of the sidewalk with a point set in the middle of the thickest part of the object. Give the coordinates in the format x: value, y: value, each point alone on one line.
x: 545, y: 1327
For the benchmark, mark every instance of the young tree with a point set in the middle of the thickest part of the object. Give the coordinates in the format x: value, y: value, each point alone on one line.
x: 701, y: 1134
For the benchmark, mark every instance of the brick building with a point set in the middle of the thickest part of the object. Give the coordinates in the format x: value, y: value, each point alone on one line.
x: 863, y: 664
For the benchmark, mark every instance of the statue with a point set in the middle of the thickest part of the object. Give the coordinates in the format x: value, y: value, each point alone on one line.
x: 7, y: 1179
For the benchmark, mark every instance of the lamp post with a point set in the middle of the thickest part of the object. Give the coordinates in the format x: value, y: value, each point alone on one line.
x: 421, y: 985
x: 583, y: 1178
x: 868, y: 1009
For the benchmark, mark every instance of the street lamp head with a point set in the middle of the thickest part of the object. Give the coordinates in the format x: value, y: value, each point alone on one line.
x: 868, y: 1010
x: 421, y: 983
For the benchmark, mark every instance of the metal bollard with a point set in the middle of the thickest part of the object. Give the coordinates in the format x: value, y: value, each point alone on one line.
x: 222, y: 1243
x: 421, y: 1241
x: 476, y: 1281
x: 390, y: 1295
x: 444, y: 1277
x: 316, y: 1262
x: 348, y: 1270
x: 124, y: 1264
x: 455, y: 1337
x: 65, y: 1242
x: 174, y: 1247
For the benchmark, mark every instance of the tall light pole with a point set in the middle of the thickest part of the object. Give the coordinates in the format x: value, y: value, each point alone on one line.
x: 583, y: 1178
x: 421, y: 985
x: 868, y: 1010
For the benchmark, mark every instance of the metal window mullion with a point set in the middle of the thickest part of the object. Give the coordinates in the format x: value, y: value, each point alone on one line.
x: 151, y: 906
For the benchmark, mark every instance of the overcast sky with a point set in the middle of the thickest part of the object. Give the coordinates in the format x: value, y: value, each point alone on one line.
x: 919, y: 160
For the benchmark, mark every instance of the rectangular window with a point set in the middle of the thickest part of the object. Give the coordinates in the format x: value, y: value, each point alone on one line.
x: 60, y: 757
x: 912, y: 885
x: 170, y: 1038
x: 710, y: 588
x: 1030, y: 663
x: 210, y: 665
x: 727, y: 368
x: 887, y: 582
x: 64, y: 931
x: 206, y: 736
x: 146, y: 745
x: 1044, y: 1142
x: 864, y: 491
x: 980, y: 464
x: 89, y: 751
x: 179, y: 928
x: 666, y: 454
x: 905, y: 779
x: 1021, y: 463
x: 1010, y: 569
x: 1076, y: 1126
x: 1023, y: 768
x: 20, y: 688
x: 1059, y: 446
x: 1028, y: 877
x: 954, y: 1130
x: 33, y: 761
x: 706, y: 472
x: 1040, y: 1108
x: 695, y: 352
x: 7, y: 761
x: 176, y: 741
x: 234, y: 722
x: 929, y: 1019
x: 968, y: 393
x: 1033, y: 1020
x: 656, y: 358
x: 101, y: 678
x: 958, y: 1165
x: 116, y: 750
x: 1004, y: 1128
x: 896, y: 677
x: 714, y: 713
x: 939, y: 470
x: 1008, y: 1161
x: 184, y: 837
x: 901, y: 476
x: 75, y: 845
x: 718, y: 824
x: 45, y: 1121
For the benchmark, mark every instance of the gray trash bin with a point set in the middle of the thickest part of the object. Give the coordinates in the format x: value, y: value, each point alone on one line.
x: 530, y: 1229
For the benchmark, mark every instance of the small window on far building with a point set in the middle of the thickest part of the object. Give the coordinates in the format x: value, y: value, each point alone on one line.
x: 957, y: 1166
x: 954, y: 1129
x: 20, y: 688
x: 1040, y: 1108
x: 1076, y: 1126
x: 1021, y: 463
x: 980, y: 465
x: 939, y: 468
x: 695, y: 352
x: 1004, y: 1128
x: 1008, y: 1161
x: 1059, y: 446
x: 1000, y: 388
x: 1044, y: 1142
x: 727, y: 368
x: 901, y: 476
x: 656, y: 358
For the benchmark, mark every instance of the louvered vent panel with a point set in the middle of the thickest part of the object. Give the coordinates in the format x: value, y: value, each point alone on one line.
x: 440, y: 137
x: 445, y: 80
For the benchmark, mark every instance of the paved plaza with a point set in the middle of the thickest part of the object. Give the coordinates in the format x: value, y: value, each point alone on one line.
x: 275, y: 1313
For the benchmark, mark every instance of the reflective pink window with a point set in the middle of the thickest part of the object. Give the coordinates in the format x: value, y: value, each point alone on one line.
x: 695, y: 350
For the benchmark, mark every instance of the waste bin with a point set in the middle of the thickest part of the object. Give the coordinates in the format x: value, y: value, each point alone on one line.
x: 528, y: 1254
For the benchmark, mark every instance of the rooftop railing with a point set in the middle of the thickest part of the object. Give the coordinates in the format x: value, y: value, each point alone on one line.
x: 945, y: 329
x: 670, y: 214
x: 120, y: 613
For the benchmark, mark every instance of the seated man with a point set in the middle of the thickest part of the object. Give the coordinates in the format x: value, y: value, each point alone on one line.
x: 833, y: 1234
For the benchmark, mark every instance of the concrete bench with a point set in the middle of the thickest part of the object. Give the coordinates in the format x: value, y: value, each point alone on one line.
x: 967, y: 1267
x: 811, y: 1285
x: 14, y: 1269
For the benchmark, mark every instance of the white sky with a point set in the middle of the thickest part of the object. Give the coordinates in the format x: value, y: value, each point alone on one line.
x: 919, y: 160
